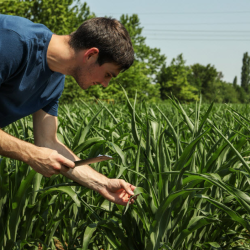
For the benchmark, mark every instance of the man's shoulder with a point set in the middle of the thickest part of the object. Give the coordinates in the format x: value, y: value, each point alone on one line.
x: 23, y: 27
x: 23, y: 46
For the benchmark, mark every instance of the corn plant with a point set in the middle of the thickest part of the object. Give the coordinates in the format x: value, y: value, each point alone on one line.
x: 189, y: 163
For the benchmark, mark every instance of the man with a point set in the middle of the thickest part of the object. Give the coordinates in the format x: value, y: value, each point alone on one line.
x: 33, y: 62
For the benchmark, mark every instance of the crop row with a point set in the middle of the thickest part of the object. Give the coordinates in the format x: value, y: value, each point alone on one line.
x: 189, y: 162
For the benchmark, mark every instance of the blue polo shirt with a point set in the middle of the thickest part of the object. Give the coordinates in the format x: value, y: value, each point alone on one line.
x: 26, y: 82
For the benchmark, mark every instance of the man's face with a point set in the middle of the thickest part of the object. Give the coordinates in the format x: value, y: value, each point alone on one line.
x: 92, y: 74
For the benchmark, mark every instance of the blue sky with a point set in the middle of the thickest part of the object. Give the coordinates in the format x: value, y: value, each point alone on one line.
x: 215, y: 32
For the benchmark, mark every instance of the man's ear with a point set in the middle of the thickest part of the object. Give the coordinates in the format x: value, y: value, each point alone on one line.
x: 91, y: 53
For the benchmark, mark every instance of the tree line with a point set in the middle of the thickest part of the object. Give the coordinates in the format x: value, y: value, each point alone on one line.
x: 150, y: 77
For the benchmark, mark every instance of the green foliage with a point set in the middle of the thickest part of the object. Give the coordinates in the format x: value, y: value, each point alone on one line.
x: 148, y: 57
x: 189, y: 162
x: 174, y: 80
x: 245, y: 72
x: 206, y: 79
x: 235, y: 81
x: 209, y: 82
x: 143, y: 84
x: 243, y: 96
x: 61, y: 17
x: 227, y: 93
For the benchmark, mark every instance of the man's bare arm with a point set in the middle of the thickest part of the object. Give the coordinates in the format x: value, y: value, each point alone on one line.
x: 45, y: 133
x: 43, y: 160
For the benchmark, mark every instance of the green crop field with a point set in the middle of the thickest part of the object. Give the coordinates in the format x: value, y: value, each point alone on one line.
x: 190, y: 163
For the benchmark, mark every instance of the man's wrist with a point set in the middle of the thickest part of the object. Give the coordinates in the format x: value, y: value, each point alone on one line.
x: 32, y: 153
x: 102, y: 184
x: 88, y: 177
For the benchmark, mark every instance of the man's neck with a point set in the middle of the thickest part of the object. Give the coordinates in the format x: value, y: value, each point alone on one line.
x: 60, y: 55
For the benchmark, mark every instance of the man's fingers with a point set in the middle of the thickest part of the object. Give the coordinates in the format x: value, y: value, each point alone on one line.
x: 66, y: 162
x: 128, y: 187
x: 60, y: 167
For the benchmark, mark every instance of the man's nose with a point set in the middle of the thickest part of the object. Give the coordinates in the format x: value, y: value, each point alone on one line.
x: 105, y: 83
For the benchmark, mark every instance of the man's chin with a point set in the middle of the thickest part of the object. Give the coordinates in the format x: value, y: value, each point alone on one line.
x: 83, y: 86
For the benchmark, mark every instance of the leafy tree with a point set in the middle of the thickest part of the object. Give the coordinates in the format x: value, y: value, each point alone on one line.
x: 173, y: 80
x: 60, y: 16
x: 227, y: 93
x: 243, y: 97
x: 235, y: 82
x: 209, y: 82
x: 245, y: 72
x: 206, y: 79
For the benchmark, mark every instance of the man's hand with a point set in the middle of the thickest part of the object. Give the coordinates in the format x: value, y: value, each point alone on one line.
x: 118, y: 191
x: 48, y: 162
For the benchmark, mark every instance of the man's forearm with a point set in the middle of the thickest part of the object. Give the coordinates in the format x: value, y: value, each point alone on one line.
x: 15, y: 148
x: 43, y: 160
x: 84, y: 175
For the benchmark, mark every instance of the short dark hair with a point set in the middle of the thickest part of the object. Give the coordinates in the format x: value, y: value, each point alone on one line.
x: 109, y: 36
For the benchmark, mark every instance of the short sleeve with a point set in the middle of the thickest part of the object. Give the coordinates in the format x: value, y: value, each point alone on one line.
x: 57, y: 81
x: 52, y: 108
x: 12, y: 54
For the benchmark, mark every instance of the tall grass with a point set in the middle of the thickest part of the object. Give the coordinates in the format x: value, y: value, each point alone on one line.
x: 189, y: 162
